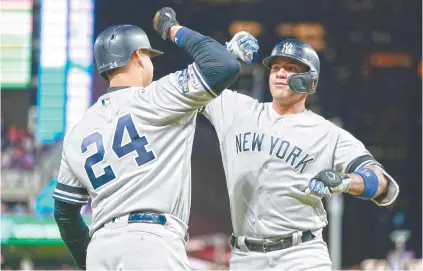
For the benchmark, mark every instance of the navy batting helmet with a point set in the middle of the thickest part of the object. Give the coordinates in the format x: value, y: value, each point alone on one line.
x: 303, y: 83
x: 115, y: 45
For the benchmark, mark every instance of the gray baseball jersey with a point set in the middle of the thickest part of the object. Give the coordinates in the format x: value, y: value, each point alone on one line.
x: 132, y: 149
x: 269, y: 159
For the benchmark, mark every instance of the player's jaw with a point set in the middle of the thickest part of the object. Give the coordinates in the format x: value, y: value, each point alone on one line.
x: 279, y: 89
x: 283, y: 96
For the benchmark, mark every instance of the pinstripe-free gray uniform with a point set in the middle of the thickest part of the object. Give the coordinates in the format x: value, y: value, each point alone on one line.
x: 119, y: 155
x: 269, y: 160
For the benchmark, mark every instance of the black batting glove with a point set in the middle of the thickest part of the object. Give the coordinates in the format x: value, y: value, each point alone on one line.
x: 164, y: 19
x: 326, y: 182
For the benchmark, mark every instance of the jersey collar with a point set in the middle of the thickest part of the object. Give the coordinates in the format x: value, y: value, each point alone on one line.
x: 111, y: 89
x: 275, y: 115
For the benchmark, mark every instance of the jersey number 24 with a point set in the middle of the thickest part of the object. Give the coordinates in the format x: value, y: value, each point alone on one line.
x: 137, y: 144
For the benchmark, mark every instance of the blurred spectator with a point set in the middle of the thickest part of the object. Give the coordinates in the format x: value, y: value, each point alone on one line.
x: 14, y: 208
x: 19, y: 149
x: 4, y: 207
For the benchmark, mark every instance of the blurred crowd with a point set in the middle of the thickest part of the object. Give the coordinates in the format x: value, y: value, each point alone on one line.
x: 18, y: 148
x: 22, y: 208
x: 14, y: 208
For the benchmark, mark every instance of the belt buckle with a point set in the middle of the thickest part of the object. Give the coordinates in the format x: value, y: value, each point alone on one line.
x: 265, y: 248
x: 273, y: 245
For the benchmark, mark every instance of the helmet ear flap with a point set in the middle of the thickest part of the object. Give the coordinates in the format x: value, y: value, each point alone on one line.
x: 303, y: 83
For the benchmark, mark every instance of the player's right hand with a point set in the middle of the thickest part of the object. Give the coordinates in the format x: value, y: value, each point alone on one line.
x: 164, y: 19
x: 326, y: 182
x: 244, y: 47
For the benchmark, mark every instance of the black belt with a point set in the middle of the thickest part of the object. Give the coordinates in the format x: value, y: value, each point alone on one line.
x: 270, y: 244
x: 144, y: 217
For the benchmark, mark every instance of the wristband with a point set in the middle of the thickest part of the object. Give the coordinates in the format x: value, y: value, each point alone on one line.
x: 371, y: 183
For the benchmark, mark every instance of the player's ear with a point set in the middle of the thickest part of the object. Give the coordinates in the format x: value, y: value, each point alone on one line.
x: 136, y: 57
x: 140, y: 55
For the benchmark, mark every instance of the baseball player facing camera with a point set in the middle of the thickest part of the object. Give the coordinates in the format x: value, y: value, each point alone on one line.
x: 130, y: 153
x: 280, y: 159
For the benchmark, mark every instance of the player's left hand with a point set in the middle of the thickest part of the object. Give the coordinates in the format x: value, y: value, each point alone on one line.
x: 326, y: 182
x: 243, y: 46
x: 164, y: 19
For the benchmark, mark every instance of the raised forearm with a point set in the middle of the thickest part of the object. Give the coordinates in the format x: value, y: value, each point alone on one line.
x: 217, y: 67
x: 173, y: 30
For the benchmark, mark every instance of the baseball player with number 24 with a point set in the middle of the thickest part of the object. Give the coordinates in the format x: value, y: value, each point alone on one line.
x: 130, y: 152
x: 281, y: 159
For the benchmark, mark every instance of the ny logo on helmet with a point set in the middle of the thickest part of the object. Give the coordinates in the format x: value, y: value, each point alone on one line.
x: 286, y: 48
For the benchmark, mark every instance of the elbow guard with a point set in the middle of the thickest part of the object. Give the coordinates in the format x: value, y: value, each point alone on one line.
x: 391, y: 195
x: 371, y: 183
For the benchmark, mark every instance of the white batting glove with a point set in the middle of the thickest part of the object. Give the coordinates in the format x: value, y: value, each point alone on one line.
x: 326, y: 182
x: 244, y: 47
